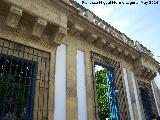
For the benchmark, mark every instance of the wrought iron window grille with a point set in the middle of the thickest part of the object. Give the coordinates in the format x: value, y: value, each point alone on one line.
x: 24, y: 82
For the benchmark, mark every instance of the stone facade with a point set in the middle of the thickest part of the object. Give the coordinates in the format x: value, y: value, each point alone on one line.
x: 44, y: 25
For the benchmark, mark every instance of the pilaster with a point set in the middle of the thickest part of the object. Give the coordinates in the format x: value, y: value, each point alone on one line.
x: 71, y: 98
x: 89, y: 86
x: 51, y: 102
x: 133, y: 100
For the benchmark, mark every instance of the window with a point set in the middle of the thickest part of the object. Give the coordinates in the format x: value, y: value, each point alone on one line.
x: 107, y: 99
x: 23, y: 70
x: 16, y: 88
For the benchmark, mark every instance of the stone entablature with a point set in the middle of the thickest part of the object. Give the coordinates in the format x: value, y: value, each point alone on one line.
x: 39, y: 27
x: 114, y: 41
x: 91, y: 17
x: 84, y: 25
x: 49, y: 14
x: 14, y: 16
x: 43, y: 22
x: 41, y: 9
x: 26, y: 24
x: 103, y: 41
x: 146, y: 67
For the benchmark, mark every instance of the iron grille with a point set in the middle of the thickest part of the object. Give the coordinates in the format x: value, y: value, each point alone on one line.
x: 148, y: 101
x: 107, y: 94
x: 24, y: 82
x: 16, y: 88
x: 113, y: 99
x: 123, y: 109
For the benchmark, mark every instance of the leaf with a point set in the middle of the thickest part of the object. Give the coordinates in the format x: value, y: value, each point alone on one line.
x: 102, y: 95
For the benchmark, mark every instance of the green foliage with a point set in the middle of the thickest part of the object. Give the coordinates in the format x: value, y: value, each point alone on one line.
x: 4, y: 88
x: 102, y: 95
x: 11, y: 87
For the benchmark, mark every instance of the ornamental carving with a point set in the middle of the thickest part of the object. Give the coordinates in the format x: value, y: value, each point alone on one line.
x: 145, y: 68
x: 60, y: 33
x: 41, y: 9
x: 13, y: 17
x: 39, y: 27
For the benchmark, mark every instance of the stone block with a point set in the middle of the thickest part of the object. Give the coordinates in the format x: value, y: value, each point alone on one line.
x: 39, y: 27
x: 14, y: 16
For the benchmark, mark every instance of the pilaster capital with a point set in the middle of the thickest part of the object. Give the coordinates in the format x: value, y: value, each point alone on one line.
x: 39, y: 27
x: 16, y: 10
x: 101, y: 42
x: 76, y: 29
x: 91, y: 38
x: 59, y: 35
x: 14, y: 16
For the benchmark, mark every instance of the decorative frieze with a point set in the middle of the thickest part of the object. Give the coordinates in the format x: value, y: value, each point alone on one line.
x: 67, y: 1
x: 143, y: 49
x: 111, y: 46
x: 91, y: 38
x: 131, y: 58
x: 126, y: 53
x: 142, y: 70
x: 118, y: 51
x: 39, y: 27
x: 58, y: 19
x: 42, y: 9
x: 14, y: 16
x: 130, y: 42
x: 76, y: 30
x: 59, y: 35
x: 113, y: 32
x: 50, y: 24
x: 89, y: 16
x: 101, y: 42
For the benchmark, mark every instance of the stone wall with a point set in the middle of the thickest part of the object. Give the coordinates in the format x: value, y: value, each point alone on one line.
x: 44, y: 25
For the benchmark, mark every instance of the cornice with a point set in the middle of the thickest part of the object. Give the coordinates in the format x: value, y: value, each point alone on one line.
x: 42, y: 9
x: 100, y: 33
x: 92, y: 27
x: 28, y: 18
x: 71, y: 12
x: 150, y: 59
x: 81, y: 19
x: 65, y: 7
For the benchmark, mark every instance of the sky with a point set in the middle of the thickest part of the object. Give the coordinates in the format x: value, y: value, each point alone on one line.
x: 140, y: 22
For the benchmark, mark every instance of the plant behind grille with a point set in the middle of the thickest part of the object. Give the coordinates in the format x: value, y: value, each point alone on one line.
x: 26, y: 71
x: 102, y: 95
